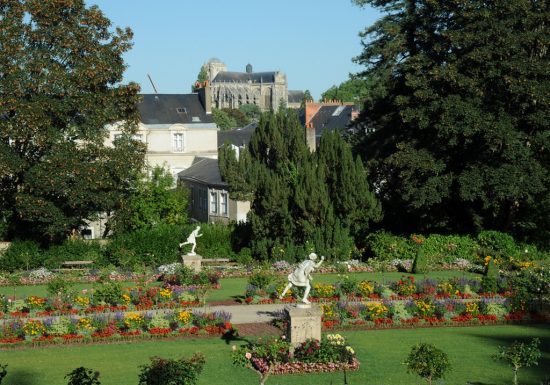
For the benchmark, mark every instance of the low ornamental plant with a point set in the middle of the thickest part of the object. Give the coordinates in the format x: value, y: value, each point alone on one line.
x: 428, y: 362
x: 262, y: 355
x: 162, y: 371
x: 519, y: 355
x: 275, y: 356
x: 3, y: 372
x: 83, y: 376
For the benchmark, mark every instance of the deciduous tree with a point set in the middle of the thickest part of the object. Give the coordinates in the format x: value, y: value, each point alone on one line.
x: 60, y: 71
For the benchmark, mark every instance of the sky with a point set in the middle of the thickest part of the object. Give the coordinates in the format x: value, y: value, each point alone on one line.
x: 312, y: 41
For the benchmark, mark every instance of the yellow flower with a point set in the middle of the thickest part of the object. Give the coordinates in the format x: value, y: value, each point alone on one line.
x: 34, y: 328
x: 424, y: 308
x: 472, y: 308
x: 377, y: 309
x: 126, y: 298
x: 165, y: 293
x: 82, y: 301
x: 365, y: 288
x: 328, y: 310
x: 35, y: 301
x: 324, y: 290
x: 184, y: 316
x: 133, y: 320
x: 84, y: 323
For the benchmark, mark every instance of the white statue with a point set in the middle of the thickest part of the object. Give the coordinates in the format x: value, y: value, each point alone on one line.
x: 302, y: 275
x: 192, y: 240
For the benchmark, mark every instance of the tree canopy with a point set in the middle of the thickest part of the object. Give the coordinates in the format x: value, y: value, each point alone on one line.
x: 458, y: 138
x: 300, y: 200
x: 60, y: 71
x: 353, y: 90
x: 154, y: 200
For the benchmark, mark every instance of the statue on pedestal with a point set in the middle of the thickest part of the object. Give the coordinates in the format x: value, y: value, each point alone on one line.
x: 302, y: 275
x: 192, y: 240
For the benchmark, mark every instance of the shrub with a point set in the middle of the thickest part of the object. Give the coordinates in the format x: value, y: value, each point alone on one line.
x: 498, y: 244
x: 520, y: 355
x: 3, y: 372
x: 59, y: 287
x: 108, y: 292
x: 447, y: 248
x: 72, y: 250
x: 331, y: 348
x: 151, y: 247
x: 420, y: 264
x: 347, y: 285
x: 384, y: 246
x: 399, y: 311
x: 496, y: 309
x: 162, y: 371
x: 428, y: 362
x: 83, y: 376
x: 261, y: 279
x: 21, y: 255
x: 216, y: 241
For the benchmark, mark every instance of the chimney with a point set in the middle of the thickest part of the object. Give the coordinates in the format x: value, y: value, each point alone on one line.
x: 205, y: 96
x: 311, y: 109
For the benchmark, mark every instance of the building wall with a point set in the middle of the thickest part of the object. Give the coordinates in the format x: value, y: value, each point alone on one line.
x: 162, y: 147
x: 206, y: 204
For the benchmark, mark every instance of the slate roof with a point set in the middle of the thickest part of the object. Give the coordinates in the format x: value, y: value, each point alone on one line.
x: 295, y: 96
x: 331, y: 117
x: 204, y: 170
x: 172, y: 108
x: 237, y: 137
x: 243, y: 77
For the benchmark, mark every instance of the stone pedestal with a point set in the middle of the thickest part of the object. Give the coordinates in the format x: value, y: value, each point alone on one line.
x: 305, y: 323
x: 193, y: 261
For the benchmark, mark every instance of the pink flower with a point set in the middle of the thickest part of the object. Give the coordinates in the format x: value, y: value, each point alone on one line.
x: 248, y: 355
x: 283, y: 337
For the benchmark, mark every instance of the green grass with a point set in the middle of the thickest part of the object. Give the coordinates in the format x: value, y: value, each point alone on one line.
x: 234, y: 287
x: 381, y: 353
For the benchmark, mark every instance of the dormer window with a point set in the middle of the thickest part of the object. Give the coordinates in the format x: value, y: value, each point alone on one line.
x: 181, y: 110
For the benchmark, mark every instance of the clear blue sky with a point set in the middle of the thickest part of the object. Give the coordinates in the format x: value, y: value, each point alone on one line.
x: 311, y: 41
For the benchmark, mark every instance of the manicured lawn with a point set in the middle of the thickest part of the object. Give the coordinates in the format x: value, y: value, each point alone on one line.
x: 234, y: 287
x: 381, y: 353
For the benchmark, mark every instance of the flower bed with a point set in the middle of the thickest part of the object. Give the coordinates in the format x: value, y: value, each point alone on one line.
x: 275, y: 356
x: 307, y: 367
x: 349, y: 288
x: 106, y: 298
x: 103, y: 327
x: 416, y: 322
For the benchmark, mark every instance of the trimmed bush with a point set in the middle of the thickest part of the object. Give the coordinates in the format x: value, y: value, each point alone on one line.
x: 428, y: 362
x: 162, y: 371
x: 83, y: 376
x: 151, y: 247
x: 420, y: 264
x: 384, y: 246
x: 72, y: 250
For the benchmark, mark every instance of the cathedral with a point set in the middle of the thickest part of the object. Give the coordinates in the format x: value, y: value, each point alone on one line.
x: 267, y: 90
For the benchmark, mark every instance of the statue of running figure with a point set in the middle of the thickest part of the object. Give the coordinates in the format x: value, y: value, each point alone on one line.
x: 302, y: 275
x: 192, y: 240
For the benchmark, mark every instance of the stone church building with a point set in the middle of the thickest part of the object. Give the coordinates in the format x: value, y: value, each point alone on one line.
x: 230, y: 89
